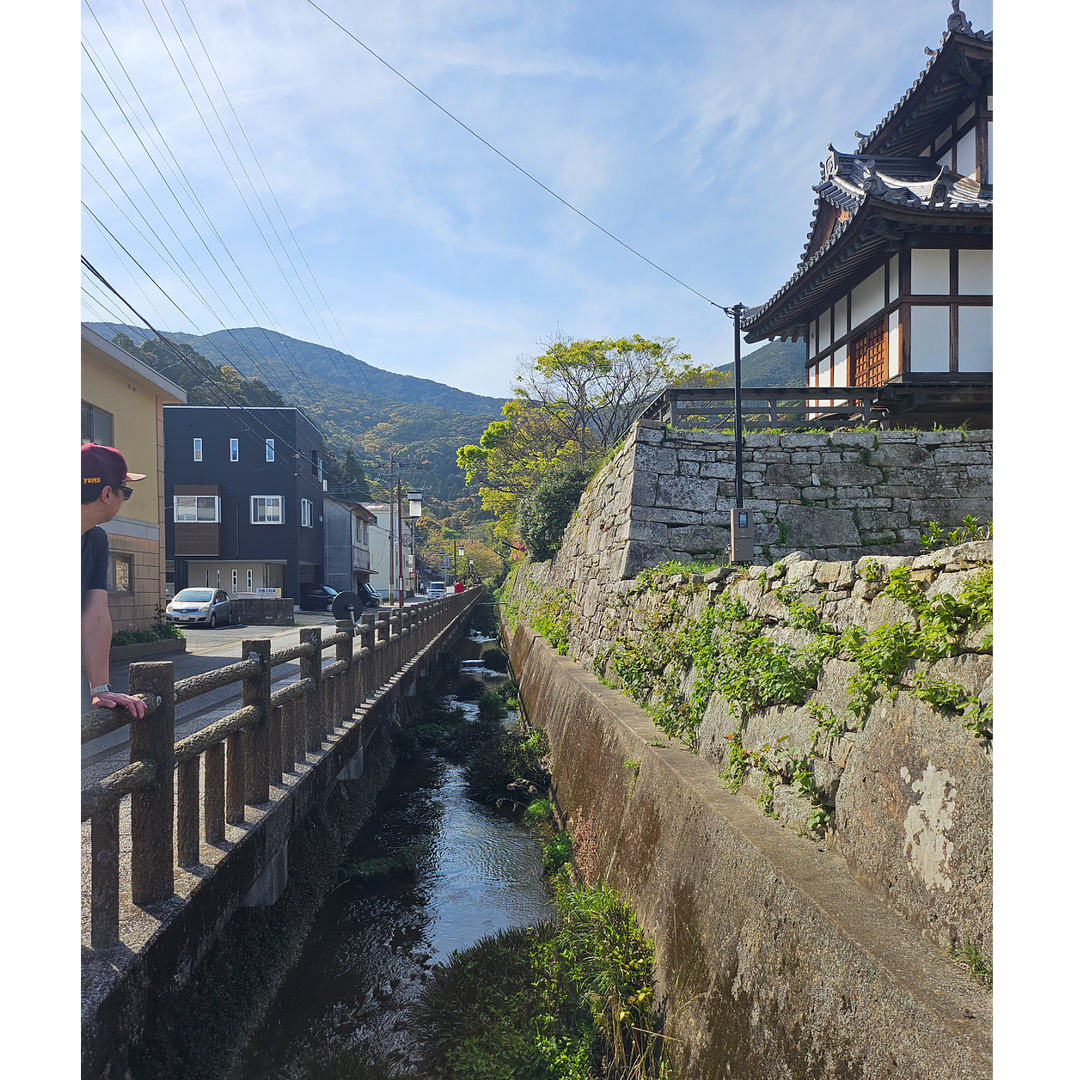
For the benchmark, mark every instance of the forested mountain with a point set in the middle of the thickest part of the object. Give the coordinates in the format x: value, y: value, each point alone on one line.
x: 425, y: 420
x: 778, y: 363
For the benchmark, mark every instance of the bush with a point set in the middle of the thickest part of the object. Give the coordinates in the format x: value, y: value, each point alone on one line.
x: 491, y: 705
x: 157, y: 631
x: 510, y: 768
x: 495, y: 659
x: 543, y: 515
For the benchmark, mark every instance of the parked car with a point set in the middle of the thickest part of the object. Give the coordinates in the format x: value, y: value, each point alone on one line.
x: 370, y: 597
x: 210, y: 607
x: 436, y: 590
x: 317, y: 598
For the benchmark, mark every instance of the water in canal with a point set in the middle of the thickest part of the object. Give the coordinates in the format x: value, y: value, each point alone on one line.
x: 458, y: 870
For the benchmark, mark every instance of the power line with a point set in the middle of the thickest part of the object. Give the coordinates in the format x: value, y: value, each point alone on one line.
x: 510, y: 161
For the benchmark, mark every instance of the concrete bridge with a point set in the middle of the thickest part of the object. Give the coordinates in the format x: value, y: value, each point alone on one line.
x: 190, y: 830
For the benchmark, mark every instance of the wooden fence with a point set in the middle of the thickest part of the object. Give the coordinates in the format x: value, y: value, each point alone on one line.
x: 766, y: 407
x: 241, y: 754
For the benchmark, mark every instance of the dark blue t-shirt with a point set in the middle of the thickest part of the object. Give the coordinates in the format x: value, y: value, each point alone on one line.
x: 95, y: 559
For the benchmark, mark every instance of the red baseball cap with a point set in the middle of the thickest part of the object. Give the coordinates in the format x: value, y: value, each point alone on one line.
x: 105, y: 465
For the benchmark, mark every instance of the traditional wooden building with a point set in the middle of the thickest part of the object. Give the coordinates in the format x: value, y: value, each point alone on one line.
x: 895, y: 286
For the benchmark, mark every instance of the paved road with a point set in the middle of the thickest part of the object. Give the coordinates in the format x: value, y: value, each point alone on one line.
x: 206, y: 650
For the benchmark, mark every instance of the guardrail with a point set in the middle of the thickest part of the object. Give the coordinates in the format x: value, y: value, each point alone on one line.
x: 242, y: 754
x: 766, y: 406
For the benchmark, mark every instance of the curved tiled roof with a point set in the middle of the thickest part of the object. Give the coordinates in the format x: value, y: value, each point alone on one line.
x: 850, y: 181
x: 958, y: 26
x: 851, y: 185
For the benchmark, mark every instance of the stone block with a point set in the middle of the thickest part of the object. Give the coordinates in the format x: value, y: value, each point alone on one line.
x: 688, y: 468
x: 787, y: 474
x: 643, y: 489
x: 655, y: 459
x: 863, y: 440
x: 962, y: 455
x: 723, y: 470
x: 938, y: 438
x: 849, y: 475
x: 685, y: 493
x: 900, y: 455
x: 914, y: 816
x: 638, y: 554
x: 813, y: 526
x: 806, y: 457
x: 668, y: 515
x: 778, y: 492
x: 761, y: 439
x: 697, y: 538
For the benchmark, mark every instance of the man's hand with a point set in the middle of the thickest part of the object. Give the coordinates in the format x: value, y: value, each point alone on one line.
x: 110, y: 700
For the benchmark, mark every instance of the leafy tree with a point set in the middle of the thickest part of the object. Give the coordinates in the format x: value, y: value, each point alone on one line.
x: 543, y: 514
x: 571, y: 404
x: 592, y: 391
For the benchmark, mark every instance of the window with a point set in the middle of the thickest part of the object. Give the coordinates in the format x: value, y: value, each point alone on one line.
x: 234, y: 449
x: 196, y: 508
x: 269, y: 449
x: 97, y: 425
x: 249, y: 589
x: 120, y: 575
x: 267, y: 510
x: 870, y: 355
x: 314, y: 462
x: 196, y: 447
x: 305, y: 513
x: 234, y: 581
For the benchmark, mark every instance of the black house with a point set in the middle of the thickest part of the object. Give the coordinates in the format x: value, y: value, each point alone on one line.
x: 243, y: 499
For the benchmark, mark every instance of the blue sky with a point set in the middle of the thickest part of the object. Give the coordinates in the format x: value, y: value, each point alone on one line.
x: 691, y: 131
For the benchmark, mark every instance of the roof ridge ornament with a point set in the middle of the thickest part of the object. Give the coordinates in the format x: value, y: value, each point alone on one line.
x: 958, y: 21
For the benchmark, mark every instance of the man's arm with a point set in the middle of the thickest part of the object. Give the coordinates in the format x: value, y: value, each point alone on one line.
x: 96, y: 639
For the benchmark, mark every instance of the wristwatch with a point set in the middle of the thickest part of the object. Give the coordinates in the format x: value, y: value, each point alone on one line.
x: 102, y: 689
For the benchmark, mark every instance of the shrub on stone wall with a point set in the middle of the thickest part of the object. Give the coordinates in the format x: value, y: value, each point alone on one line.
x: 543, y: 515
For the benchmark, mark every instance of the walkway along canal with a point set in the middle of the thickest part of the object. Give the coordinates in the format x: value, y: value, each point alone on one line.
x: 431, y: 872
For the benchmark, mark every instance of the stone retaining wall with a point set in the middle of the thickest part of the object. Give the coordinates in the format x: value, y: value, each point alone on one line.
x: 909, y: 791
x: 668, y: 494
x: 771, y: 961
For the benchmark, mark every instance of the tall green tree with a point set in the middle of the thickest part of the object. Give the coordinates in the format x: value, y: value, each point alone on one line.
x: 571, y: 404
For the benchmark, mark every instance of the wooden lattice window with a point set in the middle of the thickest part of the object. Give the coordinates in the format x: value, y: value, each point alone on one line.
x: 870, y: 357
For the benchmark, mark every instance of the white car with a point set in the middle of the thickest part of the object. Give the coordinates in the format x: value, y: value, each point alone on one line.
x: 193, y: 606
x: 436, y: 590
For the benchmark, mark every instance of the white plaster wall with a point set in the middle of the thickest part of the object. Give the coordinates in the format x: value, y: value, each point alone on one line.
x: 929, y: 338
x: 840, y: 366
x: 976, y: 339
x: 930, y: 271
x: 868, y: 296
x: 840, y: 317
x: 965, y: 154
x: 894, y: 278
x: 990, y: 151
x: 894, y: 344
x: 976, y: 273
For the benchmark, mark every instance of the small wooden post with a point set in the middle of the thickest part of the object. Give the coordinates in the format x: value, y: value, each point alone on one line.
x: 105, y: 878
x: 234, y: 778
x: 152, y: 807
x: 256, y: 691
x: 311, y: 668
x: 214, y: 794
x: 187, y: 812
x: 344, y: 651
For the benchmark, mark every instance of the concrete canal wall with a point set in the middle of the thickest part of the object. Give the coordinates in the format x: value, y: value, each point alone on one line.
x: 772, y: 961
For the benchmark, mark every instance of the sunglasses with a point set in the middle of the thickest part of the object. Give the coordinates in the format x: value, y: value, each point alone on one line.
x: 126, y: 492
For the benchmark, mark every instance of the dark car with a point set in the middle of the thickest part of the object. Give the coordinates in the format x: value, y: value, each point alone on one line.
x: 321, y: 597
x: 317, y: 598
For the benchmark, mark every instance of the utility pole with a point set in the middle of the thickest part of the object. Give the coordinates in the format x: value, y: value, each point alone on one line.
x: 401, y: 551
x: 391, y: 465
x: 742, y: 520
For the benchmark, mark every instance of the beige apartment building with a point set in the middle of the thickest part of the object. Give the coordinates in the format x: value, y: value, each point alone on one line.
x: 122, y: 401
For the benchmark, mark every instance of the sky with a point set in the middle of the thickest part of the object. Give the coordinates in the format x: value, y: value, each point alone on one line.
x: 338, y: 205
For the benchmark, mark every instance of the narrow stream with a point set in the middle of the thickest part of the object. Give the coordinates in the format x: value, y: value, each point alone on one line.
x: 451, y: 870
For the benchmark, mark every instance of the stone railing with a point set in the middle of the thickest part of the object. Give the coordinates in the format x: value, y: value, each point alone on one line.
x: 237, y: 758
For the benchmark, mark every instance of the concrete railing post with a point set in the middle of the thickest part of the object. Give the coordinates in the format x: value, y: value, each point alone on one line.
x: 344, y: 651
x: 104, y: 878
x: 311, y: 668
x: 151, y: 739
x: 256, y: 691
x: 366, y: 667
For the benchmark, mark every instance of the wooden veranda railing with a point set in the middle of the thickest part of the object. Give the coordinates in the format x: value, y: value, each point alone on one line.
x: 765, y: 406
x: 242, y: 754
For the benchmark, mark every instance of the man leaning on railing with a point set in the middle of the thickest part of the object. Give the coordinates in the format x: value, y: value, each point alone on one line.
x: 104, y: 492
